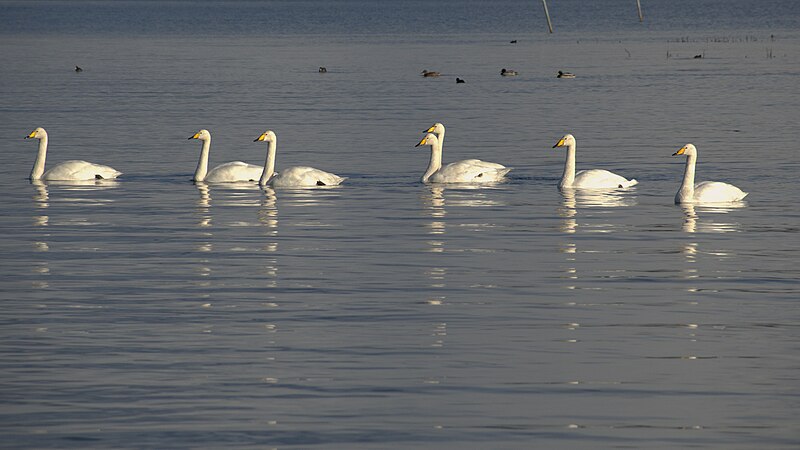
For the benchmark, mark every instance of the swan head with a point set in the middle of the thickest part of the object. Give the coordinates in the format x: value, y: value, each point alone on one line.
x: 566, y: 141
x: 38, y: 133
x: 203, y: 135
x: 437, y: 128
x: 268, y: 136
x: 688, y: 150
x: 429, y: 139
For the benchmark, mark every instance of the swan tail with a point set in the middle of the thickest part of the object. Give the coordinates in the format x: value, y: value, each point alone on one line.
x: 631, y: 182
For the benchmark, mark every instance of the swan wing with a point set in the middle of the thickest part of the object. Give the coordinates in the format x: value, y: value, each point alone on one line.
x: 717, y: 192
x: 601, y: 179
x: 302, y: 176
x: 234, y: 171
x: 79, y: 170
x: 470, y: 171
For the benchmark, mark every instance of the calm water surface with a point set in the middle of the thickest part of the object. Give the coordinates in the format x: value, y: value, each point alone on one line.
x: 151, y: 312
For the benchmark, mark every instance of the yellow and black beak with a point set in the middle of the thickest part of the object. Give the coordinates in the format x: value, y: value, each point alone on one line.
x: 422, y: 142
x: 680, y: 152
x: 560, y: 143
x: 195, y: 136
x: 260, y: 138
x: 31, y: 135
x: 430, y: 130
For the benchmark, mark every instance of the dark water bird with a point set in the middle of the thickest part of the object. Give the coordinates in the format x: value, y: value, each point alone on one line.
x: 514, y: 41
x: 508, y: 73
x: 698, y: 56
x: 427, y: 73
x: 459, y: 80
x: 565, y: 75
x: 78, y: 69
x: 323, y: 70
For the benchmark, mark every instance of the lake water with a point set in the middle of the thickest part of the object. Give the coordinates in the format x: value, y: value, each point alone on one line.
x: 151, y: 312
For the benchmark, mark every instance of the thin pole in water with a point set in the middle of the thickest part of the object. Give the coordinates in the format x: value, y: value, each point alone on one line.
x: 547, y: 14
x: 639, y: 8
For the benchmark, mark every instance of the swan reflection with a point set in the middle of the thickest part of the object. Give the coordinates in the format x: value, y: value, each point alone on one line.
x: 268, y: 218
x: 575, y: 199
x: 692, y: 222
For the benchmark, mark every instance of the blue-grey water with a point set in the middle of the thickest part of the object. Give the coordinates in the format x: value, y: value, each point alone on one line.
x: 152, y: 312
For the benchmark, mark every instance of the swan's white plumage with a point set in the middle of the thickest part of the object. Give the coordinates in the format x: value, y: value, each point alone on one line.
x: 304, y: 176
x: 704, y: 191
x: 590, y: 178
x: 74, y: 170
x: 231, y: 172
x: 297, y: 176
x: 464, y: 171
x: 235, y: 171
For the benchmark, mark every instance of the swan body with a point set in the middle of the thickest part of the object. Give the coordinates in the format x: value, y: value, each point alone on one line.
x: 74, y: 170
x: 704, y: 191
x: 298, y: 176
x: 231, y: 172
x: 587, y: 179
x: 465, y: 171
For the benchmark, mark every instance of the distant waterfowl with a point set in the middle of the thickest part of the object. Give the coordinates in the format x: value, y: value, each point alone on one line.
x: 427, y: 73
x: 78, y: 69
x: 298, y: 176
x: 704, y: 191
x: 562, y: 74
x: 459, y: 80
x: 508, y: 73
x: 466, y: 171
x: 587, y: 179
x: 514, y: 41
x: 68, y: 170
x: 698, y: 56
x: 232, y: 172
x: 323, y: 70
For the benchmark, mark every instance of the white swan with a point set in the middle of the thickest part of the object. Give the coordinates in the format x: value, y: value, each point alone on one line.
x: 704, y: 191
x: 587, y: 179
x: 466, y: 171
x: 75, y: 170
x: 224, y: 173
x: 298, y: 176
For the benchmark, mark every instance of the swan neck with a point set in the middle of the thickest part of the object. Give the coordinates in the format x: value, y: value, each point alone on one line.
x: 436, y: 161
x: 202, y: 165
x: 687, y: 187
x: 568, y: 177
x: 38, y: 165
x: 269, y: 164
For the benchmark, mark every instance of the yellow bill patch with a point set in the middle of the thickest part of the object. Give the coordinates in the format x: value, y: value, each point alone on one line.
x: 431, y: 129
x: 681, y: 151
x: 32, y: 135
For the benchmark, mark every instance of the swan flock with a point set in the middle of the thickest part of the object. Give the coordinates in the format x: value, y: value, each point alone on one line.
x: 471, y: 171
